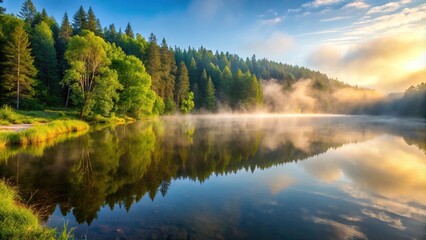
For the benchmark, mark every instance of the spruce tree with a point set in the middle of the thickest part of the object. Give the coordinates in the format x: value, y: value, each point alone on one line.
x: 153, y: 64
x: 202, y: 87
x: 192, y: 71
x: 210, y: 100
x: 65, y: 33
x: 45, y: 61
x: 226, y: 78
x: 79, y: 20
x: 129, y: 31
x: 98, y: 28
x: 91, y: 20
x: 28, y: 12
x: 168, y: 75
x: 111, y: 33
x: 182, y: 84
x: 18, y: 68
x: 44, y: 15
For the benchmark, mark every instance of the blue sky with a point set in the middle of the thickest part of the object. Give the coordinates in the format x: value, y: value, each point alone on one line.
x: 371, y: 43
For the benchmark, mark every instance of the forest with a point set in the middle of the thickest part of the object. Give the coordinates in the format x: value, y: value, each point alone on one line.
x: 101, y: 71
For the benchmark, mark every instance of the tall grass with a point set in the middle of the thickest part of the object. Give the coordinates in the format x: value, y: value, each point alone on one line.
x: 40, y: 133
x: 9, y: 116
x: 20, y: 222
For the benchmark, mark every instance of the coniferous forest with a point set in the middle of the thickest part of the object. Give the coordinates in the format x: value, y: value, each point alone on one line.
x: 78, y: 63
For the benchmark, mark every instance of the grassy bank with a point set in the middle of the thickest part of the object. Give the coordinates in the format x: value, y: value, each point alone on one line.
x: 20, y: 222
x: 48, y: 124
x: 42, y: 132
x: 10, y: 116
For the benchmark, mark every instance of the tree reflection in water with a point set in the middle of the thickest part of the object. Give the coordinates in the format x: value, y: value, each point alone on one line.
x: 118, y: 166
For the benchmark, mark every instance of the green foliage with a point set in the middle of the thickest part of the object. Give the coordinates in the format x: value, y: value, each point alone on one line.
x: 28, y: 12
x: 136, y: 98
x: 169, y: 105
x: 129, y: 31
x: 159, y: 106
x: 210, y: 98
x: 236, y: 81
x: 104, y: 95
x: 168, y: 75
x: 182, y: 84
x: 80, y: 20
x: 92, y: 83
x: 153, y: 66
x: 45, y: 61
x: 187, y: 104
x: 19, y: 71
x: 91, y: 20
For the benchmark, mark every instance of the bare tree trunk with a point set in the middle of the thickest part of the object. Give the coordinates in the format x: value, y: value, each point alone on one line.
x: 17, y: 90
x: 68, y: 96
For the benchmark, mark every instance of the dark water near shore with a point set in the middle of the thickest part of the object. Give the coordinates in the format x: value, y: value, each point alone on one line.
x: 246, y: 177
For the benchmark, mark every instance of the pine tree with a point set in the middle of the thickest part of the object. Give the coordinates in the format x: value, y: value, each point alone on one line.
x: 65, y: 34
x: 153, y: 64
x: 129, y: 31
x: 182, y: 84
x: 226, y: 78
x: 200, y: 97
x: 111, y: 34
x: 91, y: 20
x: 254, y: 92
x: 192, y: 71
x: 19, y: 71
x: 168, y: 75
x: 210, y: 99
x: 45, y: 61
x: 98, y: 28
x: 28, y: 12
x: 44, y: 15
x: 79, y: 20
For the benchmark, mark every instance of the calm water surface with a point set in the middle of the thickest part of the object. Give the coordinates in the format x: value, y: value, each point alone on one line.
x: 247, y: 177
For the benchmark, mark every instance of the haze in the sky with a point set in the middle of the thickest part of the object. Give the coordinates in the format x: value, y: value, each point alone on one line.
x: 370, y: 43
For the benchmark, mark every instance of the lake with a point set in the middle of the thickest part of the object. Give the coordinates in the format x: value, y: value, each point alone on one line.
x: 231, y: 177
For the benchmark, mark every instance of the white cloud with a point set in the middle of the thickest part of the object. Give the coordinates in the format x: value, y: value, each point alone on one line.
x: 295, y: 10
x: 272, y: 21
x: 378, y: 63
x: 318, y: 3
x: 393, y: 222
x: 388, y: 7
x: 395, y: 22
x: 357, y: 4
x: 334, y: 19
x: 340, y: 230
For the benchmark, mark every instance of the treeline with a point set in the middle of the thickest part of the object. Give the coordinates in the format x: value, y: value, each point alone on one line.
x: 105, y: 71
x: 412, y: 103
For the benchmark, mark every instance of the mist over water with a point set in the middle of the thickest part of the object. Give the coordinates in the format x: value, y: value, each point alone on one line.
x: 232, y: 176
x: 302, y: 97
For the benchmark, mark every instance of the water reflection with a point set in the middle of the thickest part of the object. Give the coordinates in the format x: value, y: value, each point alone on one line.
x: 358, y: 176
